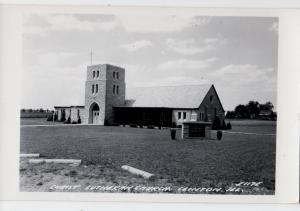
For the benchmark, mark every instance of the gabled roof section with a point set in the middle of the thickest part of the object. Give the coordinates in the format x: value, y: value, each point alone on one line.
x: 184, y: 97
x: 218, y: 97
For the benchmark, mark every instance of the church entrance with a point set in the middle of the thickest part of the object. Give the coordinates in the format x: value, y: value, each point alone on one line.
x: 95, y: 117
x: 94, y: 114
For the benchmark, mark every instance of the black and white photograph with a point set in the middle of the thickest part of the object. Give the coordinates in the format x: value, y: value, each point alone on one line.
x: 158, y: 104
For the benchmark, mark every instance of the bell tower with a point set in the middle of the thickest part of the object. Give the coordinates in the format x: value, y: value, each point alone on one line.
x: 104, y: 89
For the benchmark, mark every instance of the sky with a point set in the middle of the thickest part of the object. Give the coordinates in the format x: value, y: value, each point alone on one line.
x: 236, y: 54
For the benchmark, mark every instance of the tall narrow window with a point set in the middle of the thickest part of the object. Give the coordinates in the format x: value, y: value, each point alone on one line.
x: 114, y: 74
x: 117, y: 90
x: 184, y: 115
x: 93, y: 88
x: 117, y: 75
x: 211, y: 98
x: 179, y: 115
x: 94, y: 74
x: 114, y: 89
x: 96, y: 88
x: 98, y: 74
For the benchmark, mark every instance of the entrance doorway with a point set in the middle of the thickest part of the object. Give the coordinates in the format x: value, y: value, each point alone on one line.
x: 94, y: 114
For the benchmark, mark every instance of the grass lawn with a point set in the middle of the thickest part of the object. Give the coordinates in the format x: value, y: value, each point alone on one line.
x: 253, y: 126
x: 191, y: 163
x: 37, y: 121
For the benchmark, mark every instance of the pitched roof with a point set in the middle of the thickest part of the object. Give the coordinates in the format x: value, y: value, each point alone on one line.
x: 71, y: 106
x: 188, y: 96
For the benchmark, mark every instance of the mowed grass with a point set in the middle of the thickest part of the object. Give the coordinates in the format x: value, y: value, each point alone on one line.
x: 253, y: 126
x: 37, y: 121
x: 236, y: 158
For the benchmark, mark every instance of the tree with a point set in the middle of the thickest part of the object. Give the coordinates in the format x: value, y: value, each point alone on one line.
x: 241, y: 111
x: 253, y: 108
x: 230, y: 115
x: 267, y: 106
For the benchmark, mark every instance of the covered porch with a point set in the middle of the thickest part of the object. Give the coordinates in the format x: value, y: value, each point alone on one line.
x: 142, y: 116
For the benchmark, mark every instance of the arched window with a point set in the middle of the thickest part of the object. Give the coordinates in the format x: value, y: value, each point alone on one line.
x: 117, y: 90
x: 114, y: 74
x: 94, y: 73
x: 93, y: 88
x: 114, y: 89
x: 97, y: 73
x: 96, y: 88
x: 117, y: 75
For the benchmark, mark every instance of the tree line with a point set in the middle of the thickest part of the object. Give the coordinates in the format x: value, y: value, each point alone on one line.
x: 252, y: 110
x: 40, y: 110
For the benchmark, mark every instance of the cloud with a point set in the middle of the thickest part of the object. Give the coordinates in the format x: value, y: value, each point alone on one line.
x: 51, y: 59
x: 173, y: 80
x: 46, y: 86
x: 274, y: 27
x: 191, y: 47
x: 67, y: 22
x: 160, y: 23
x: 137, y: 45
x: 186, y: 47
x: 41, y: 23
x: 185, y: 64
x: 215, y: 41
x: 244, y: 74
x: 179, y: 81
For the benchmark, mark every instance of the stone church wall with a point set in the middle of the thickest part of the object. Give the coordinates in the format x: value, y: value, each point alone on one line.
x: 99, y: 97
x: 211, y: 107
x: 117, y: 99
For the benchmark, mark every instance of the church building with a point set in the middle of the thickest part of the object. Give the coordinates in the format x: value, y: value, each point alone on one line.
x: 108, y: 102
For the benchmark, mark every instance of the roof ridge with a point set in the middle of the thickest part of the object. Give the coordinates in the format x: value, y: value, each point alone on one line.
x: 169, y: 86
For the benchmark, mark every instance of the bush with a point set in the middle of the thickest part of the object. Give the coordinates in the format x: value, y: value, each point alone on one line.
x: 133, y: 125
x: 74, y: 122
x: 150, y: 126
x: 50, y: 118
x: 79, y: 121
x: 224, y: 126
x: 216, y: 124
x: 173, y: 134
x: 219, y: 134
x: 228, y: 126
x: 62, y: 119
x: 115, y: 124
x: 174, y: 125
x: 68, y: 121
